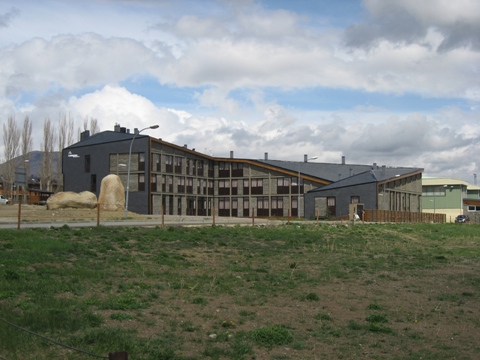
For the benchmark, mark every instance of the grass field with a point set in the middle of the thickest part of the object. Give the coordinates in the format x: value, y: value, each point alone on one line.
x: 409, y: 291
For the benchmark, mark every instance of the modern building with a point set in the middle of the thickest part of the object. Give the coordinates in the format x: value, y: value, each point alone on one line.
x: 451, y: 197
x: 379, y: 188
x: 183, y: 181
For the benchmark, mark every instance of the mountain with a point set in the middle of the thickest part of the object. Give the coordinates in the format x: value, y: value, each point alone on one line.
x: 35, y: 163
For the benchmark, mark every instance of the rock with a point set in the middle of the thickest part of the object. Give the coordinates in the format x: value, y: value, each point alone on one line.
x: 112, y: 193
x: 70, y: 199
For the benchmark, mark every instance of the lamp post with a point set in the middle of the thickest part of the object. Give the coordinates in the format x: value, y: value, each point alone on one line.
x: 128, y: 167
x: 298, y: 205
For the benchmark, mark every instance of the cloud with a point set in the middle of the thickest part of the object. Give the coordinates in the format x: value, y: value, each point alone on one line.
x: 408, y: 21
x: 6, y: 18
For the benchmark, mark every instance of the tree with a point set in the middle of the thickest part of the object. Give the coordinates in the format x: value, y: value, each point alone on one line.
x: 65, y: 138
x: 48, y: 145
x: 26, y: 148
x: 11, y: 137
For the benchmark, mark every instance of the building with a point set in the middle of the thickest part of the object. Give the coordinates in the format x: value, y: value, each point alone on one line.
x: 379, y: 188
x: 451, y: 197
x: 183, y: 181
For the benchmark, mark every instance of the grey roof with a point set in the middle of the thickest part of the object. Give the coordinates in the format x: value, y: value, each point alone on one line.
x: 370, y: 176
x: 326, y: 171
x: 104, y: 137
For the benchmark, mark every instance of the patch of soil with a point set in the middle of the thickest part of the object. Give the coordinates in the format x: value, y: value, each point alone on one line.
x: 41, y: 214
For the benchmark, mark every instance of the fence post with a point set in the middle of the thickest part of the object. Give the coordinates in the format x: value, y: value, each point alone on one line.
x: 119, y: 355
x: 98, y: 214
x: 19, y: 214
x: 163, y: 217
x: 213, y: 216
x: 253, y: 216
x: 288, y: 217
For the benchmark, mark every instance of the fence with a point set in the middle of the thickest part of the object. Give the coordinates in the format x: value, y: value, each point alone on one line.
x: 402, y: 216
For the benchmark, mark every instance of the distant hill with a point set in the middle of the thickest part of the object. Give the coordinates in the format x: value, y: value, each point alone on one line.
x: 35, y: 162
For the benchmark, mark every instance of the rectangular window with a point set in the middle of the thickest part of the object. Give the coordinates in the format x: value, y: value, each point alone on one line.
x: 237, y: 169
x: 246, y: 189
x: 223, y: 206
x: 283, y: 185
x: 178, y: 165
x: 141, y: 162
x: 181, y: 184
x: 153, y: 183
x: 257, y: 186
x: 199, y: 167
x: 246, y: 207
x: 141, y: 182
x: 169, y: 163
x: 234, y: 187
x: 223, y: 169
x: 262, y: 206
x: 87, y: 163
x: 224, y: 187
x: 354, y: 199
x: 189, y: 186
x: 156, y: 166
x: 277, y: 206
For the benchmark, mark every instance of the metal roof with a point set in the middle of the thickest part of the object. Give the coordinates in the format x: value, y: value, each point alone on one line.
x: 371, y: 176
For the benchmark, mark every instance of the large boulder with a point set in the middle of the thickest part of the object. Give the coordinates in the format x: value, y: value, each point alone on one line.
x: 112, y: 193
x: 70, y: 199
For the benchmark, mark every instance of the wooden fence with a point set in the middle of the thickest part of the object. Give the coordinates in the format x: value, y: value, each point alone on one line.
x: 402, y: 216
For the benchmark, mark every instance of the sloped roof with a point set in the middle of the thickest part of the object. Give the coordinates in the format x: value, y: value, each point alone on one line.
x: 104, y: 137
x: 370, y: 176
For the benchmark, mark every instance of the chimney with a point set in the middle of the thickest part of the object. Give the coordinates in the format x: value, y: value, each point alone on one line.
x: 185, y: 146
x: 123, y: 130
x: 231, y: 154
x: 85, y: 135
x: 343, y: 160
x: 266, y: 156
x: 305, y: 158
x: 374, y: 166
x: 383, y: 169
x: 117, y: 128
x: 135, y: 131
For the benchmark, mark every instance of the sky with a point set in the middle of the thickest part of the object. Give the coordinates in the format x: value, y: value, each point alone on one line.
x: 395, y: 83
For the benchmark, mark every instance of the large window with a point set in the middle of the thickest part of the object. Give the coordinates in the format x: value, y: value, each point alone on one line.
x: 178, y: 165
x: 224, y: 187
x: 156, y: 165
x: 153, y: 183
x: 262, y: 206
x: 257, y: 186
x: 277, y: 206
x: 237, y: 169
x: 283, y: 185
x: 169, y: 163
x: 234, y: 187
x: 141, y: 182
x: 141, y: 162
x: 181, y: 184
x: 223, y: 206
x: 223, y: 169
x: 246, y: 188
x: 433, y: 190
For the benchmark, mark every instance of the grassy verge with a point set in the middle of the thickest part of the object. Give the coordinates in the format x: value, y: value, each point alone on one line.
x: 294, y: 292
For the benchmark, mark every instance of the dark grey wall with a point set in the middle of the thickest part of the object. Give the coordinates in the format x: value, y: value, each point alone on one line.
x: 366, y: 192
x: 77, y: 180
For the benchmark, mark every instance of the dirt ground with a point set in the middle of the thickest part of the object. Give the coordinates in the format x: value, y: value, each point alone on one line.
x: 38, y: 213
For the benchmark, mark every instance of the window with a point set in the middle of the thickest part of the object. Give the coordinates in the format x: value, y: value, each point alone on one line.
x: 277, y: 206
x: 87, y: 163
x: 153, y: 183
x: 156, y: 162
x: 262, y: 205
x: 473, y: 208
x: 257, y: 186
x: 169, y: 163
x: 210, y: 187
x: 181, y: 184
x: 141, y: 162
x: 331, y: 206
x: 354, y: 199
x: 200, y: 167
x: 246, y: 189
x: 234, y: 187
x: 283, y: 185
x: 237, y: 169
x: 223, y: 206
x: 223, y: 169
x: 224, y: 187
x: 178, y: 165
x: 189, y: 186
x: 246, y: 207
x: 433, y: 190
x: 141, y: 182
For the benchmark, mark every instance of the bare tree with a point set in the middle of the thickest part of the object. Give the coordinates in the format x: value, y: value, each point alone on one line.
x: 26, y: 149
x: 94, y: 128
x: 65, y: 138
x: 48, y: 146
x: 11, y: 137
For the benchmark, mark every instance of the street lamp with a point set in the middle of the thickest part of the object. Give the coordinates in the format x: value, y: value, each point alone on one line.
x: 128, y: 168
x: 305, y: 160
